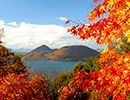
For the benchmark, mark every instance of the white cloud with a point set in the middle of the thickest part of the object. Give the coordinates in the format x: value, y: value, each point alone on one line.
x: 2, y: 23
x: 62, y: 18
x: 30, y: 36
x: 13, y: 23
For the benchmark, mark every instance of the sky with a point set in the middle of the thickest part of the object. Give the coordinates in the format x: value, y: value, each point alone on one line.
x: 31, y: 23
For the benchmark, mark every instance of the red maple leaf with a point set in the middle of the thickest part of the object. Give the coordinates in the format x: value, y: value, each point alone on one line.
x: 67, y: 22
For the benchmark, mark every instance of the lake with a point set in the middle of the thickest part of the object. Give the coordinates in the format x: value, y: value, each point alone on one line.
x: 50, y: 67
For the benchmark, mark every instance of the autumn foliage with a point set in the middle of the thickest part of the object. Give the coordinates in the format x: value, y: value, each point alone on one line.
x: 113, y: 22
x: 109, y: 22
x: 20, y: 87
x: 16, y: 82
x: 10, y: 62
x: 112, y: 79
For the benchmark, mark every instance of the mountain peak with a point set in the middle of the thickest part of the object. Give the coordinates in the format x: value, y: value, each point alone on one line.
x: 74, y: 52
x: 42, y: 48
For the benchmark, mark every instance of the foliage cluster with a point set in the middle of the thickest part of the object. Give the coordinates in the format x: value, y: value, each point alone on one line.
x: 61, y: 79
x: 112, y: 80
x: 15, y: 82
x: 91, y: 64
x: 10, y: 62
x: 20, y: 87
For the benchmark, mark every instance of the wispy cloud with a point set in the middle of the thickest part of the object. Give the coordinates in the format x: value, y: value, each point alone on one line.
x: 30, y: 36
x: 62, y: 18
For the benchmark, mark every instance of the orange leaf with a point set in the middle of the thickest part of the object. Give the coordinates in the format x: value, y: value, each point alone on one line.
x: 95, y: 0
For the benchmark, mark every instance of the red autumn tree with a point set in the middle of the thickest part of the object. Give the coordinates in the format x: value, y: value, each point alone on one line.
x: 15, y: 80
x: 109, y: 22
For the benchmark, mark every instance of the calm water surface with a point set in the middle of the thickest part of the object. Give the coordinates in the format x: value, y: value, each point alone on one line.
x: 50, y: 67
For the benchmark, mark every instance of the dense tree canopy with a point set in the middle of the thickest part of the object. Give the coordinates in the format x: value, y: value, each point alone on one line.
x: 16, y: 84
x: 109, y: 22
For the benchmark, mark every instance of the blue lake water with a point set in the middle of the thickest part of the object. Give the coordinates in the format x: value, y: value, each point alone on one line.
x: 50, y: 67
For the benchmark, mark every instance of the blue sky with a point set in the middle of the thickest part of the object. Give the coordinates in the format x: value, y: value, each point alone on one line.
x: 43, y: 11
x: 31, y: 23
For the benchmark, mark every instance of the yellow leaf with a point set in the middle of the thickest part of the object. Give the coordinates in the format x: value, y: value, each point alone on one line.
x: 112, y: 2
x: 121, y: 43
x: 102, y: 8
x: 126, y: 59
x: 128, y: 4
x: 128, y: 40
x: 104, y: 51
x: 127, y: 34
x: 128, y: 22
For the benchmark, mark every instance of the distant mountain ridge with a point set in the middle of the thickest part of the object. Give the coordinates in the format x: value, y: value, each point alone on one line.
x: 21, y: 51
x: 76, y: 52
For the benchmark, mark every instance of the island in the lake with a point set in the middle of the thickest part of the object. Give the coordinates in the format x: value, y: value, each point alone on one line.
x: 76, y: 52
